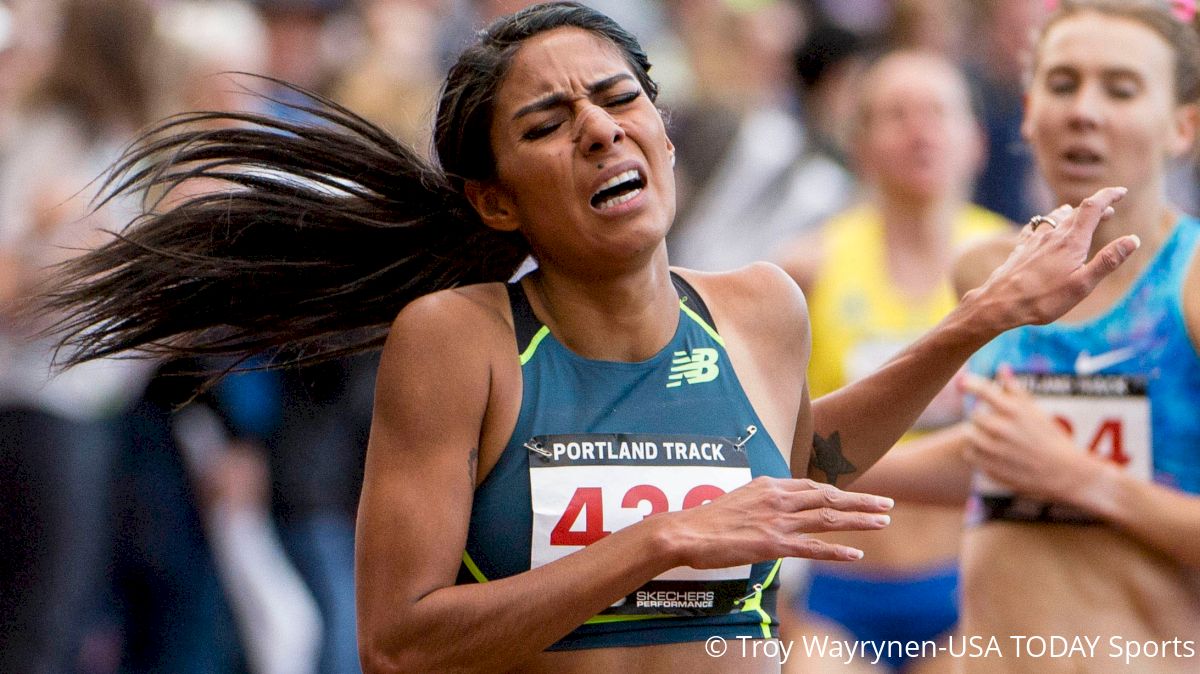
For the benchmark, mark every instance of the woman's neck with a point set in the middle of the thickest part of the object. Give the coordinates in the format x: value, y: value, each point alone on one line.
x: 1151, y: 219
x: 1149, y: 216
x: 918, y: 241
x: 627, y: 317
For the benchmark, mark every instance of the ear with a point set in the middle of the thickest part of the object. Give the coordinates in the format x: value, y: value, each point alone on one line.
x: 671, y: 151
x: 1026, y: 124
x: 979, y: 148
x: 1183, y: 129
x: 493, y: 205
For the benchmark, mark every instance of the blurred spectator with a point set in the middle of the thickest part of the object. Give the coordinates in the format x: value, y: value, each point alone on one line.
x: 830, y: 65
x: 59, y: 437
x: 748, y: 176
x: 1003, y: 34
x: 938, y: 26
x: 395, y: 82
x: 876, y: 277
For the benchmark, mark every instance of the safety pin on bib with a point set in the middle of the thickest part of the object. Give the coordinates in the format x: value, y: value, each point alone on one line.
x: 533, y: 445
x: 741, y: 442
x: 757, y: 588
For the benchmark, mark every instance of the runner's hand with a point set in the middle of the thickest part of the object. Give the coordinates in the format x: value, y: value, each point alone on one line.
x: 768, y: 518
x: 1012, y: 441
x: 1048, y: 272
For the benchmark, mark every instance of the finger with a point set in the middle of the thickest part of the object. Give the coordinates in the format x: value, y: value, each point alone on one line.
x: 1010, y: 384
x: 1062, y: 213
x: 812, y: 548
x: 1108, y: 259
x: 989, y: 425
x: 978, y: 452
x: 828, y: 496
x: 987, y: 391
x: 1092, y: 208
x: 822, y: 520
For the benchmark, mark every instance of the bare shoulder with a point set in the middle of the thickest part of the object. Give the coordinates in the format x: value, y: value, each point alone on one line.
x: 761, y: 293
x: 464, y: 313
x: 762, y: 309
x: 455, y: 332
x: 976, y: 262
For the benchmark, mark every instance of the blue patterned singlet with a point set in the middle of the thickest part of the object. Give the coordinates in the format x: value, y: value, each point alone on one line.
x: 1138, y: 351
x: 597, y: 446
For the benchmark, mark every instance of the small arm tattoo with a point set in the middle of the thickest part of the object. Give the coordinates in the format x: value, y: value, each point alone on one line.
x: 827, y: 457
x: 472, y: 465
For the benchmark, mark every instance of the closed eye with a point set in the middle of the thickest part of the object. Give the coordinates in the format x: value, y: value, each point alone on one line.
x: 541, y: 131
x: 623, y: 99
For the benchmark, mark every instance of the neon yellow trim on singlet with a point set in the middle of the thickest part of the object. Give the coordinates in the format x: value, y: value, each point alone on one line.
x: 541, y: 334
x: 707, y: 328
x: 533, y: 344
x: 600, y: 619
x: 473, y: 568
x: 755, y: 603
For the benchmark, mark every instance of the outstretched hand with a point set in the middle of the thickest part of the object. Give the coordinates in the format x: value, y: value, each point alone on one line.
x: 1048, y: 272
x: 768, y: 518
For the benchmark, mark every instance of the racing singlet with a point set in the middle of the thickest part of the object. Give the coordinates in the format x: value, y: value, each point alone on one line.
x: 1125, y: 385
x: 859, y: 318
x: 598, y: 446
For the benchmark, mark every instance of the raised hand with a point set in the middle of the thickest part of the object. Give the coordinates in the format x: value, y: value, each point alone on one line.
x: 769, y: 518
x: 1048, y: 272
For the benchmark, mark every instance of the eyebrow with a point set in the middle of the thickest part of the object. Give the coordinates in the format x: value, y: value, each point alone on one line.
x: 560, y: 98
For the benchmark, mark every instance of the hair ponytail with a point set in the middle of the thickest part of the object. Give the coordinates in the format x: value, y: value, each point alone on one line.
x: 323, y: 234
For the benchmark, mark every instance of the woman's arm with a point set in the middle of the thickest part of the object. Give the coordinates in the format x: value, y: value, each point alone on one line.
x: 440, y: 377
x: 1047, y: 273
x: 1014, y: 442
x: 930, y: 470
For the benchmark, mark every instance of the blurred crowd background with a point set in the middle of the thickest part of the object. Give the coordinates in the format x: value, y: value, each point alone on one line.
x: 143, y: 530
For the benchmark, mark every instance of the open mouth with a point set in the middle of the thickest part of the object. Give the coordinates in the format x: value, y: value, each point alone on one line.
x: 1082, y: 156
x: 618, y: 189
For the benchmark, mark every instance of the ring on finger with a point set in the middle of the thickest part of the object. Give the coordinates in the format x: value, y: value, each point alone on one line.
x: 1037, y: 220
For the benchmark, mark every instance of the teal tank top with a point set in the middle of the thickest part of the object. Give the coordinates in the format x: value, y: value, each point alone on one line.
x: 598, y: 445
x: 1125, y: 384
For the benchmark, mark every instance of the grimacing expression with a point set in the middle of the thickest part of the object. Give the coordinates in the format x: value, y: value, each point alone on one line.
x: 1101, y: 107
x: 583, y: 162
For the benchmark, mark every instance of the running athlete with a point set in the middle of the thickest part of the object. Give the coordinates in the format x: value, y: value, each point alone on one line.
x: 1098, y: 541
x: 876, y: 277
x: 650, y: 414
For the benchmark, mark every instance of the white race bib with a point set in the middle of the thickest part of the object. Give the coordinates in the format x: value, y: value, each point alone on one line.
x: 585, y: 487
x: 1107, y: 416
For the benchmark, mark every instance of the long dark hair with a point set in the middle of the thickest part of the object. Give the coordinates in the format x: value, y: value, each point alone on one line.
x: 325, y: 231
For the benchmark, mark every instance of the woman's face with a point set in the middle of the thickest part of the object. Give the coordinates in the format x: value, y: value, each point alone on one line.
x: 583, y: 161
x: 1101, y: 108
x: 919, y: 139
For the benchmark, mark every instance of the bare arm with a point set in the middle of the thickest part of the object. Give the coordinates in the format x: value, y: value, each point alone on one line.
x: 930, y: 470
x: 1046, y: 274
x: 437, y: 383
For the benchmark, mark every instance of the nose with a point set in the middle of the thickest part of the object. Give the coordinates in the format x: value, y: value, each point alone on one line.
x: 596, y: 131
x: 1085, y: 111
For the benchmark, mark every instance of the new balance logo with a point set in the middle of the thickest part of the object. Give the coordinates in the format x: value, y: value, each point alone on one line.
x: 698, y: 367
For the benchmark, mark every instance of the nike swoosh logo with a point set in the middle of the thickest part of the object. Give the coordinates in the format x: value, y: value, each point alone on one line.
x: 1086, y: 363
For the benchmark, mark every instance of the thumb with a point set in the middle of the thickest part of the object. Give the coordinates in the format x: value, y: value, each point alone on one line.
x: 1109, y: 258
